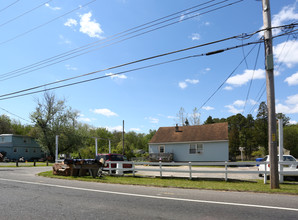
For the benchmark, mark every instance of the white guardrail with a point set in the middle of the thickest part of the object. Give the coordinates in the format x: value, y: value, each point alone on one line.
x: 163, y: 167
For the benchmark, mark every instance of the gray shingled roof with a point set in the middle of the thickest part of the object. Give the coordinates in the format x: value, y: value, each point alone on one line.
x: 208, y: 132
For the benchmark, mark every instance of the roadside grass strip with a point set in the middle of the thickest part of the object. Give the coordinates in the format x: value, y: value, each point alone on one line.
x: 196, y: 183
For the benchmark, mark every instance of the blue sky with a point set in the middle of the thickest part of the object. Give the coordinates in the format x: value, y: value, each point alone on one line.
x: 36, y: 30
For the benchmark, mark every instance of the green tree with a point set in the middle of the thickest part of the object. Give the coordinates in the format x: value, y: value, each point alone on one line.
x: 209, y: 120
x: 261, y: 127
x: 5, y: 125
x: 236, y: 124
x: 52, y: 117
x: 291, y: 139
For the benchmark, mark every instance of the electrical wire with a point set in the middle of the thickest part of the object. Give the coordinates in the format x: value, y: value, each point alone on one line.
x: 15, y: 115
x: 44, y: 24
x: 249, y: 87
x: 50, y: 61
x: 21, y: 15
x: 129, y: 63
x: 9, y: 5
x: 131, y: 70
x: 133, y: 62
x: 221, y: 85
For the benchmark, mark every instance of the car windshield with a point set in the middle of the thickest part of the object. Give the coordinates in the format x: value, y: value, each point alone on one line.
x: 116, y: 158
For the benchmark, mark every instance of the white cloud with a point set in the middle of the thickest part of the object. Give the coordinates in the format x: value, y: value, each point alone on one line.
x: 135, y: 129
x: 182, y: 85
x: 292, y: 100
x: 104, y: 111
x: 207, y: 23
x: 286, y: 14
x: 195, y: 36
x: 120, y: 76
x: 69, y: 67
x: 64, y: 40
x: 207, y: 108
x: 171, y: 117
x: 115, y: 128
x: 207, y: 69
x: 233, y: 110
x: 290, y: 106
x: 91, y: 28
x: 292, y: 80
x: 152, y: 120
x: 181, y: 17
x: 239, y: 103
x: 185, y: 83
x: 84, y: 119
x: 241, y: 79
x: 192, y: 81
x: 71, y: 22
x: 287, y: 53
x: 52, y: 8
x: 293, y: 122
x: 228, y: 88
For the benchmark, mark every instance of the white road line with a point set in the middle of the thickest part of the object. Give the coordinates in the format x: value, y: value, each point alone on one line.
x: 152, y: 197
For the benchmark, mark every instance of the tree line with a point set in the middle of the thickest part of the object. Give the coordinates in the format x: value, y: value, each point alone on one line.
x: 252, y: 134
x: 53, y: 117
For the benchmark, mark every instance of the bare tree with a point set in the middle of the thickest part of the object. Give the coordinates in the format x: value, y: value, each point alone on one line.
x: 195, y: 117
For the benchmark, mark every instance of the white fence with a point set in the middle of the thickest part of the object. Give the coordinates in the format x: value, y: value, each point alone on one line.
x: 163, y: 168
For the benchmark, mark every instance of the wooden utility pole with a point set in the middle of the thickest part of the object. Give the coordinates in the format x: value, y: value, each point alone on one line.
x: 123, y: 152
x: 272, y: 144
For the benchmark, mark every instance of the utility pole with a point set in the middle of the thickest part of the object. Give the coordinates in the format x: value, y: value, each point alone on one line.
x: 56, y: 152
x: 272, y: 144
x: 123, y: 139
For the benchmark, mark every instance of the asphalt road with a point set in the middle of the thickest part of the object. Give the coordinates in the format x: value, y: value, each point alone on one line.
x: 26, y: 196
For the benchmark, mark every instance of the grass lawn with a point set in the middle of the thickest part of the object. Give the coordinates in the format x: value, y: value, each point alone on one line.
x: 200, y: 183
x: 24, y: 164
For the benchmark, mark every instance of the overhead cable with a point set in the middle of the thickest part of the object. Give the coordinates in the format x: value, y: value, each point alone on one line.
x: 44, y: 24
x: 59, y: 58
x: 21, y: 15
x: 9, y: 5
x: 119, y: 73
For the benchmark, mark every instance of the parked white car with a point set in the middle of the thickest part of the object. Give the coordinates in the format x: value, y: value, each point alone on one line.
x: 291, y: 165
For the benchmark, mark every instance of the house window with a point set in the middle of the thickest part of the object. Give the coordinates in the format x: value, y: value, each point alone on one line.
x: 15, y: 150
x: 195, y: 148
x: 26, y: 150
x: 34, y: 151
x: 161, y: 149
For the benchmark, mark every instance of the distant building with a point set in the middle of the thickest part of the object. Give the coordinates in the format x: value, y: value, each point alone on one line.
x: 196, y: 143
x: 16, y: 146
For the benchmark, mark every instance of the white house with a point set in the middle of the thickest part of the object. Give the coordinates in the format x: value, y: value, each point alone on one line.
x: 192, y: 143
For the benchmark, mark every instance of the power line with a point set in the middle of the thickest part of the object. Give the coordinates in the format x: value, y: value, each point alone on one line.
x: 126, y: 71
x: 50, y: 61
x: 9, y: 5
x: 133, y: 62
x: 221, y: 85
x: 21, y: 15
x: 129, y: 63
x: 44, y: 24
x: 263, y: 88
x: 15, y: 115
x: 255, y: 66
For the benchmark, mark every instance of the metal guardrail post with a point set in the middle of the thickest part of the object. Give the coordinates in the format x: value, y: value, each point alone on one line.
x: 226, y: 171
x: 190, y: 174
x: 160, y: 169
x: 17, y: 163
x: 265, y: 174
x: 133, y: 169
